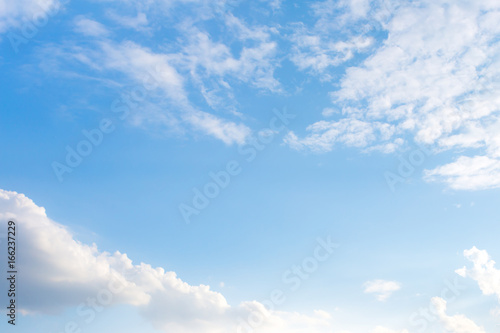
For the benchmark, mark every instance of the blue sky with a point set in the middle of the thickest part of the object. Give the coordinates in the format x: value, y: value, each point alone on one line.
x: 371, y: 125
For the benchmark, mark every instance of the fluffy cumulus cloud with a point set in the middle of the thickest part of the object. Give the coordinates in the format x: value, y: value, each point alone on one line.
x: 434, y: 79
x: 457, y: 323
x: 381, y: 288
x: 483, y: 271
x: 60, y: 272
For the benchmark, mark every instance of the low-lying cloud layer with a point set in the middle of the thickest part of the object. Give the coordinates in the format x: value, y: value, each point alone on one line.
x: 55, y: 264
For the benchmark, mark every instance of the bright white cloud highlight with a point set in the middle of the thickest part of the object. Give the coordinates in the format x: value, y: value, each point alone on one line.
x: 468, y: 173
x: 60, y: 272
x: 70, y: 272
x: 381, y: 288
x: 483, y: 271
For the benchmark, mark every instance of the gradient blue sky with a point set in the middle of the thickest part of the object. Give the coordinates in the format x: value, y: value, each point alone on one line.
x: 367, y: 84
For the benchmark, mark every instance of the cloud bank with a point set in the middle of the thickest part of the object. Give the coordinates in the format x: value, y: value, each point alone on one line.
x: 60, y: 272
x: 64, y: 273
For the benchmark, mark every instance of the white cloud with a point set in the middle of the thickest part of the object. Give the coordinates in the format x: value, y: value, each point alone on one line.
x: 16, y: 13
x: 275, y: 4
x: 90, y: 27
x: 468, y: 173
x: 226, y: 131
x: 456, y: 323
x: 60, y: 272
x: 195, y: 60
x: 328, y: 112
x: 483, y: 271
x: 312, y: 52
x: 382, y: 288
x: 329, y: 42
x: 348, y: 131
x: 435, y: 78
x: 156, y: 76
x: 139, y: 62
x: 139, y: 22
x: 210, y: 60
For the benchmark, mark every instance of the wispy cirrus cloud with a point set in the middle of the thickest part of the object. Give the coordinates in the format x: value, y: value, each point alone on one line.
x: 406, y: 83
x: 195, y: 59
x: 90, y: 27
x: 157, y: 72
